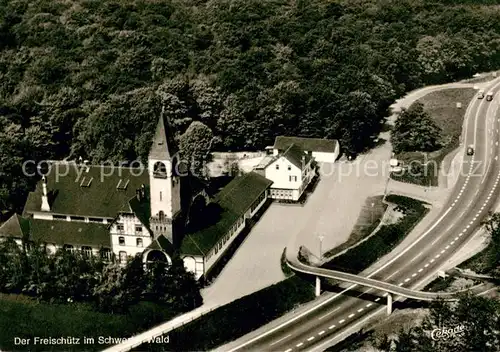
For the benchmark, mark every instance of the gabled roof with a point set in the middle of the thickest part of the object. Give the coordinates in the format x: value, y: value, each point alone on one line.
x: 16, y: 227
x: 76, y: 233
x: 163, y: 145
x: 234, y: 200
x: 108, y: 193
x: 161, y: 243
x: 307, y: 144
x: 296, y: 156
x: 57, y: 232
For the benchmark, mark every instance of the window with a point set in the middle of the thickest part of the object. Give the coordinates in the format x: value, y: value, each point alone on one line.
x: 98, y: 220
x: 120, y: 227
x: 277, y: 167
x: 105, y: 253
x: 59, y: 217
x: 139, y: 242
x: 68, y: 247
x: 138, y: 228
x: 123, y: 257
x: 121, y: 240
x: 161, y: 196
x: 161, y: 215
x: 289, y: 167
x: 86, y: 251
x: 77, y: 218
x: 292, y: 178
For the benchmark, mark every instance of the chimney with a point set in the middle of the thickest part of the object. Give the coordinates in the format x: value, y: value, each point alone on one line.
x: 45, y: 199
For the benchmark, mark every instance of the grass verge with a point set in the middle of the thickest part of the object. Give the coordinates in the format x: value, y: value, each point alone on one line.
x: 441, y: 106
x: 482, y: 262
x: 368, y: 220
x: 26, y: 318
x: 385, y: 240
x: 238, y: 318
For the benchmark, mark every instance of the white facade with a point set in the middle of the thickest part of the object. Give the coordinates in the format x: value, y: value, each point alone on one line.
x: 129, y: 235
x: 289, y: 181
x: 164, y: 190
x: 325, y: 157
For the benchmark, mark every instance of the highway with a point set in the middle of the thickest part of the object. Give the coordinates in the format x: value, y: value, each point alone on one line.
x: 474, y: 194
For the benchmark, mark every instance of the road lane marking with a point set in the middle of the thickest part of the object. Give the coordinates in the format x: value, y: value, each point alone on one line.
x: 443, y: 251
x: 401, y: 284
x: 368, y: 305
x: 426, y: 265
x: 420, y: 270
x: 360, y: 310
x: 437, y: 255
x: 377, y: 299
x: 350, y: 316
x: 288, y: 350
x: 452, y: 242
x: 275, y: 342
x: 340, y: 322
x: 311, y: 338
x: 327, y: 314
x: 407, y: 279
x: 437, y: 239
x: 414, y: 274
x: 331, y: 327
x: 432, y: 260
x: 299, y: 344
x: 321, y: 332
x: 394, y: 273
x: 456, y: 238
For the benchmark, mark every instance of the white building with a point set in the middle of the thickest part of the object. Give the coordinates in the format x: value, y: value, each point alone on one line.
x: 121, y: 211
x: 290, y: 171
x: 323, y: 150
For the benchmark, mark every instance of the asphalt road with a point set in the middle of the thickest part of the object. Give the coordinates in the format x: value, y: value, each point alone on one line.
x: 474, y: 195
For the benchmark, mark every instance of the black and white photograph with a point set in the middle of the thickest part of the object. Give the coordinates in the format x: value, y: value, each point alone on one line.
x: 250, y: 175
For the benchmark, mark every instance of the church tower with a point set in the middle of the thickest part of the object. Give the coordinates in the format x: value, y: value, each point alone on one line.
x: 164, y: 184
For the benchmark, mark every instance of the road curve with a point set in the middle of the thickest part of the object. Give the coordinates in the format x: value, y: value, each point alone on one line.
x: 296, y: 265
x: 473, y: 196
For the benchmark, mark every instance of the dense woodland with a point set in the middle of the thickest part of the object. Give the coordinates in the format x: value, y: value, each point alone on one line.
x: 86, y: 77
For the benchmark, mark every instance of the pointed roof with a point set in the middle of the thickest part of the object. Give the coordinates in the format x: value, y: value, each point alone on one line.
x: 296, y: 156
x: 163, y: 146
x: 16, y: 227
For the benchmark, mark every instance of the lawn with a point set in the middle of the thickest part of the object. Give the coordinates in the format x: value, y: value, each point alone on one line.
x: 383, y: 241
x: 441, y: 105
x: 369, y: 218
x: 26, y: 318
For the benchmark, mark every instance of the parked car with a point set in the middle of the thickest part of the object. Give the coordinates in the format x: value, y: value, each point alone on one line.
x: 470, y: 150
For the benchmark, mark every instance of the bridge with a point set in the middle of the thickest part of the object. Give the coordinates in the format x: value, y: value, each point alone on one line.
x: 388, y: 288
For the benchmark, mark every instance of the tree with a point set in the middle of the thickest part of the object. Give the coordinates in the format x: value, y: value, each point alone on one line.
x: 415, y: 130
x: 194, y: 147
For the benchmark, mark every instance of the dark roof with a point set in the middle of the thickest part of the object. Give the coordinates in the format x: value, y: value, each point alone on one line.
x: 163, y: 146
x: 57, y: 232
x: 70, y: 232
x: 307, y: 144
x: 163, y: 244
x: 296, y: 156
x: 101, y: 198
x: 142, y: 208
x: 16, y: 226
x: 234, y: 199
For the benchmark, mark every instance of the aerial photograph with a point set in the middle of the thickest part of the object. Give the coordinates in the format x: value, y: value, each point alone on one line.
x: 250, y: 175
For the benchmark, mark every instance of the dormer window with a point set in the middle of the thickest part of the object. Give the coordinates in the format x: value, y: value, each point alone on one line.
x: 160, y: 170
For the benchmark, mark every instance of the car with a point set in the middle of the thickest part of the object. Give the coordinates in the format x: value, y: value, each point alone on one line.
x: 470, y: 150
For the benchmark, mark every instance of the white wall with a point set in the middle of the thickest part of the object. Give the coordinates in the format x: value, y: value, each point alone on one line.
x: 325, y: 157
x: 160, y: 190
x: 130, y: 235
x: 281, y: 177
x: 195, y: 265
x: 212, y: 257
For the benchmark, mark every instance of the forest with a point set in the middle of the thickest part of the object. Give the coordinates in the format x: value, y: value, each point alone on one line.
x: 88, y: 77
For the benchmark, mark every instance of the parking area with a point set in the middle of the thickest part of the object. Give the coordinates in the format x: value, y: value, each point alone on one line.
x: 331, y: 211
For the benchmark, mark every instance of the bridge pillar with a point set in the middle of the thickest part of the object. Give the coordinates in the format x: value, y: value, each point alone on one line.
x: 389, y: 303
x: 318, y: 286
